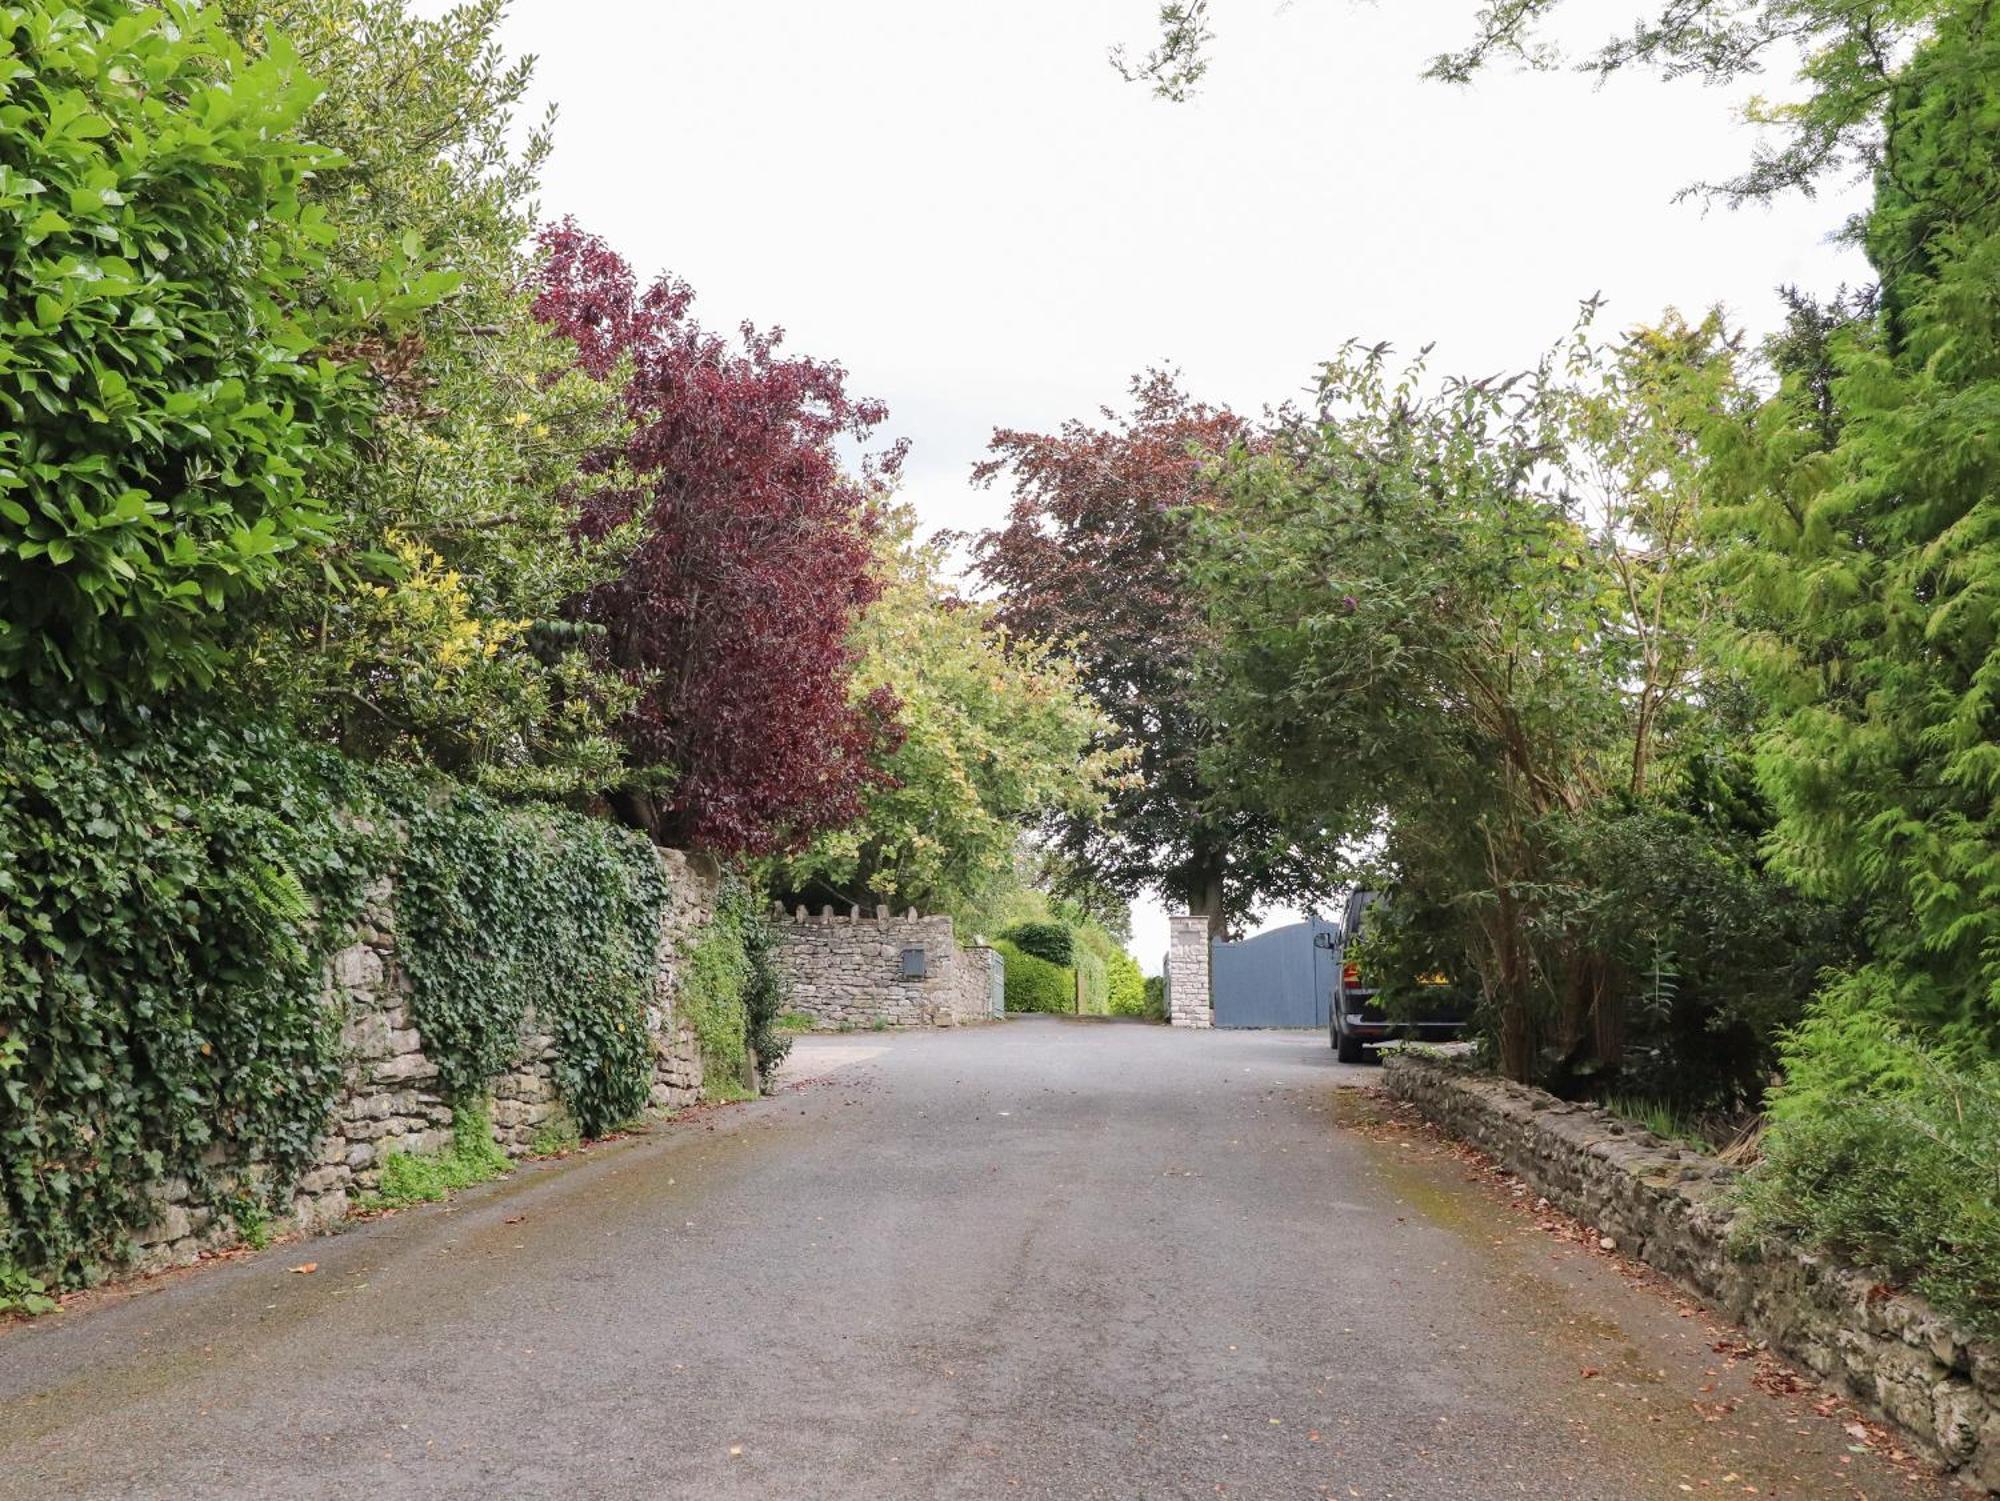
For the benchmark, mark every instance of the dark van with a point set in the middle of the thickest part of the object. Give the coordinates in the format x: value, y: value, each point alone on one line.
x: 1356, y: 1023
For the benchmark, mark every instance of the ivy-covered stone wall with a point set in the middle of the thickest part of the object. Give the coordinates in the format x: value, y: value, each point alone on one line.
x: 392, y: 1096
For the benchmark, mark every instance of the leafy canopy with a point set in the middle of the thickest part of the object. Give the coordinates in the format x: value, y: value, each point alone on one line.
x: 430, y: 627
x: 730, y: 617
x: 996, y: 734
x: 1090, y: 558
x: 164, y: 397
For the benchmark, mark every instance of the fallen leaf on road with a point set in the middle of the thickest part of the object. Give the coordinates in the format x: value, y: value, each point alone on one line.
x: 306, y: 1268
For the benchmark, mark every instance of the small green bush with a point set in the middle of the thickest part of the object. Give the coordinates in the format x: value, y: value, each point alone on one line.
x: 424, y: 1178
x: 733, y: 995
x: 1905, y: 1181
x: 1128, y: 985
x: 1156, y: 997
x: 1052, y: 942
x: 1034, y: 984
x: 20, y: 1293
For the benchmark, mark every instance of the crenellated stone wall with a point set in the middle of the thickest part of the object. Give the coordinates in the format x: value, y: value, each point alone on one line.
x: 1676, y: 1210
x: 847, y: 970
x: 390, y: 1100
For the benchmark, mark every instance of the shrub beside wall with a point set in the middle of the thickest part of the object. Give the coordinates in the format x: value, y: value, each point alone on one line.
x: 1034, y: 984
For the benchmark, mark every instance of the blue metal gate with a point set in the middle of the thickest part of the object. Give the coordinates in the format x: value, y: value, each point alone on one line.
x: 1277, y: 979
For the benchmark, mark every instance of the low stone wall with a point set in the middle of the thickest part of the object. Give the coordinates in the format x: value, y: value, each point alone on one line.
x: 1675, y: 1209
x: 390, y: 1100
x: 847, y: 971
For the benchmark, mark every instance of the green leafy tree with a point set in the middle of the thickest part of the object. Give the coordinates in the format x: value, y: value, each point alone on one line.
x: 1869, y: 570
x: 997, y: 735
x: 165, y: 400
x: 433, y: 624
x: 1409, y: 625
x: 1468, y: 628
x: 1091, y: 557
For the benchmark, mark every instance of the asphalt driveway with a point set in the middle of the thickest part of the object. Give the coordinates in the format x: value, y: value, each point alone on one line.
x: 1041, y: 1259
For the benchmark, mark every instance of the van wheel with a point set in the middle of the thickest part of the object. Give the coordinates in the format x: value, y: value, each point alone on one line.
x: 1348, y: 1049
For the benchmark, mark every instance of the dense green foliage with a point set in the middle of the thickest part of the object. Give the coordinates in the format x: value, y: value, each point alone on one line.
x: 1871, y: 557
x: 507, y: 914
x: 1034, y: 984
x: 1904, y: 1178
x: 1053, y: 941
x: 169, y: 891
x: 997, y: 735
x: 1127, y: 995
x: 1097, y: 976
x: 163, y: 399
x: 1459, y: 629
x: 733, y: 995
x: 430, y: 623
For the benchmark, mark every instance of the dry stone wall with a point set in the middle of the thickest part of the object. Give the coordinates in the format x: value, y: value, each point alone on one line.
x: 1675, y: 1209
x: 847, y: 971
x: 390, y: 1100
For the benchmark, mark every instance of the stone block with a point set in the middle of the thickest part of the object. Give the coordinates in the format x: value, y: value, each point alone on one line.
x: 407, y: 1068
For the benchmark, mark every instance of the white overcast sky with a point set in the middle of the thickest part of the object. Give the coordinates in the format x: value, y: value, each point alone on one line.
x: 961, y: 202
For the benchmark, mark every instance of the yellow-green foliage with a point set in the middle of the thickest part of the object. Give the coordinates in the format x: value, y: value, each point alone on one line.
x: 1035, y: 984
x: 1128, y: 985
x: 998, y: 733
x: 711, y: 1000
x: 1093, y: 984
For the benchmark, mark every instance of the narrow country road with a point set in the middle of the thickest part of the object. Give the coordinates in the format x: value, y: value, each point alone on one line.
x: 1044, y: 1259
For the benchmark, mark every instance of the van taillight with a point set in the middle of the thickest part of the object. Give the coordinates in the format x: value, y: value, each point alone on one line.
x: 1350, y: 974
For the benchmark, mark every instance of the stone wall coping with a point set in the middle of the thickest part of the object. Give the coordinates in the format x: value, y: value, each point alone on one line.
x: 1675, y: 1209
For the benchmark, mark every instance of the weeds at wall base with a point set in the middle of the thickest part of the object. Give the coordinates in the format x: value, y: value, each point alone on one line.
x: 425, y: 1178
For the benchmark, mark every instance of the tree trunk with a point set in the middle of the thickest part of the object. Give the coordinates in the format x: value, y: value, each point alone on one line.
x: 1517, y: 1023
x: 1205, y: 898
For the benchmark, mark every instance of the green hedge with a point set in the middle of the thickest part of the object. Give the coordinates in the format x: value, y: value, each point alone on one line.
x: 1052, y: 942
x: 1034, y: 984
x: 1128, y: 985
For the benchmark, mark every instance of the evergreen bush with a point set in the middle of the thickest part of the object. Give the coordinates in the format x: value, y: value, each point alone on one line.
x: 1034, y: 984
x: 1053, y: 942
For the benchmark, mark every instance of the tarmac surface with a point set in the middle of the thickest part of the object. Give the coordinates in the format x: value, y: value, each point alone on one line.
x: 1038, y: 1259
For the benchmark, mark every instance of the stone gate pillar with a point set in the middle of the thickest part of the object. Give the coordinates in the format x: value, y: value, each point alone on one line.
x: 1188, y: 1003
